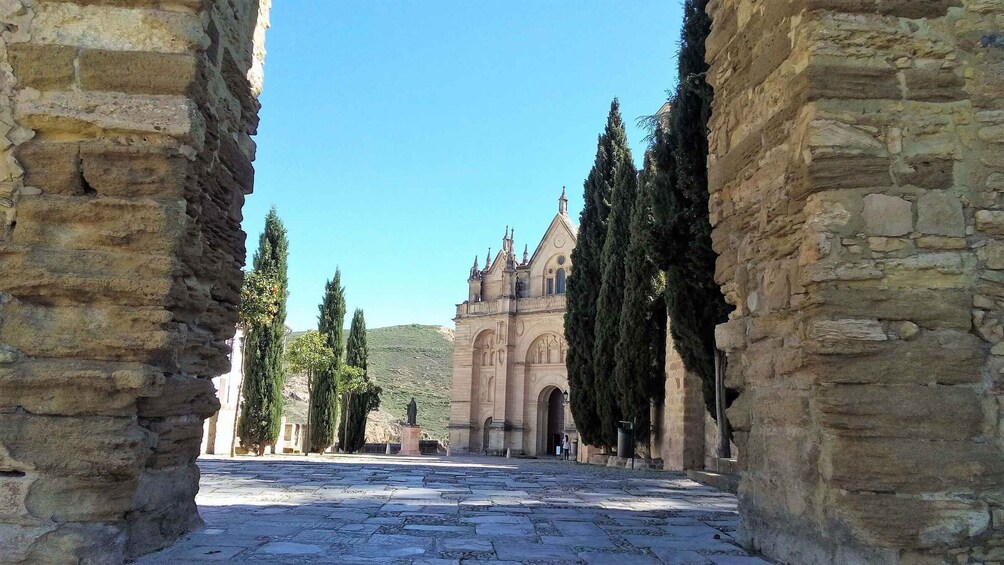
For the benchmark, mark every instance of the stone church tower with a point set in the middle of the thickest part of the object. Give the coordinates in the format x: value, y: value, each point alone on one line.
x: 509, y: 379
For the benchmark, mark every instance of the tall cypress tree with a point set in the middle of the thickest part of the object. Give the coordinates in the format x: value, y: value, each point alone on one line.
x: 641, y: 349
x: 694, y: 300
x: 583, y: 292
x: 261, y: 413
x: 359, y: 403
x: 623, y: 181
x: 330, y: 323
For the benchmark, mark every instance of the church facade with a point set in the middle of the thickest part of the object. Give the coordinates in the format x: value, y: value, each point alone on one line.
x: 510, y: 387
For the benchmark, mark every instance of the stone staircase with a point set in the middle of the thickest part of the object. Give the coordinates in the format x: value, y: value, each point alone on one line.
x: 722, y: 474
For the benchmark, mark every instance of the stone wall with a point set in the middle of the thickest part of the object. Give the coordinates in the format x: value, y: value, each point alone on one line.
x: 681, y: 427
x: 857, y: 172
x: 126, y: 157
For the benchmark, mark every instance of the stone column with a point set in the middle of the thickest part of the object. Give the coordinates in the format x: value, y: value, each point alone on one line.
x: 126, y: 159
x: 682, y: 432
x: 857, y: 171
x: 463, y: 397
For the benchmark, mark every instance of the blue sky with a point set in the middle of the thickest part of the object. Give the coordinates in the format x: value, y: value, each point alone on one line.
x: 399, y: 138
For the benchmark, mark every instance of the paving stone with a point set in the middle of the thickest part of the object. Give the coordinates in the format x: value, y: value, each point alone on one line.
x: 532, y: 551
x: 600, y: 540
x: 676, y: 557
x: 291, y: 548
x: 602, y: 558
x: 376, y: 509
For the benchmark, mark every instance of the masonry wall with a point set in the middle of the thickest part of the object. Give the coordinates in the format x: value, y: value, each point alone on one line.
x: 857, y: 171
x: 125, y: 130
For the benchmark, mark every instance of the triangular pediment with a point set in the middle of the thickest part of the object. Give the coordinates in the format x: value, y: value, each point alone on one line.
x: 561, y: 225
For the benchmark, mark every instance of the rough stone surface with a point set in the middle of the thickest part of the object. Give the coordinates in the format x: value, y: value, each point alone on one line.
x: 126, y: 159
x: 397, y: 510
x: 860, y: 157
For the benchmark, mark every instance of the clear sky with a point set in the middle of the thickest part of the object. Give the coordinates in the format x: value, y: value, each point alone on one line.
x: 399, y: 138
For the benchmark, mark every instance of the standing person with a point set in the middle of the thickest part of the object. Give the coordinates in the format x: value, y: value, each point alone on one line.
x: 564, y: 448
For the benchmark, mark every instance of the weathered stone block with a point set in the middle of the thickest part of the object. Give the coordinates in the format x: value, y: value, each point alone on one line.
x: 98, y: 332
x: 941, y: 357
x: 81, y: 498
x: 990, y: 222
x: 134, y: 170
x: 887, y: 215
x: 89, y: 223
x: 941, y: 85
x: 845, y: 336
x: 858, y: 82
x: 70, y: 277
x: 940, y: 213
x: 891, y: 520
x: 52, y: 167
x: 993, y: 254
x: 949, y: 412
x: 849, y: 172
x: 929, y: 173
x: 916, y: 8
x: 114, y: 447
x: 42, y: 67
x: 137, y: 72
x: 911, y: 466
x: 77, y: 388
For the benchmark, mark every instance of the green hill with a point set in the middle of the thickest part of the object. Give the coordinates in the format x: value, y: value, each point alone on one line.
x: 417, y: 361
x: 406, y: 361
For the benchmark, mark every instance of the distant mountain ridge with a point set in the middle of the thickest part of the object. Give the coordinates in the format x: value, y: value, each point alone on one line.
x: 409, y: 360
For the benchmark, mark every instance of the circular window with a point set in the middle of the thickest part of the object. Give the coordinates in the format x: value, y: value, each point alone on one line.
x: 550, y: 271
x: 561, y: 259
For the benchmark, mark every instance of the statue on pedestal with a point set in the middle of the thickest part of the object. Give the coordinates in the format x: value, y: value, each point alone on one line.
x: 412, y: 412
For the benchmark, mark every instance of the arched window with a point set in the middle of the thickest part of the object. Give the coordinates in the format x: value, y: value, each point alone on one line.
x: 561, y: 281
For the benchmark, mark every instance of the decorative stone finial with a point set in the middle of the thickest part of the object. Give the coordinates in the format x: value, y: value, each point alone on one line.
x: 488, y: 259
x: 526, y: 254
x: 563, y: 203
x: 475, y: 271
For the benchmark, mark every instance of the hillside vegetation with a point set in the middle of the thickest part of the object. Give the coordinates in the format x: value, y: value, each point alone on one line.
x: 406, y: 361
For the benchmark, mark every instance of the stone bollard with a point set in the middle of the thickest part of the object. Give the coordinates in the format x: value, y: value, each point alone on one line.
x: 387, y: 451
x: 447, y: 451
x: 508, y: 453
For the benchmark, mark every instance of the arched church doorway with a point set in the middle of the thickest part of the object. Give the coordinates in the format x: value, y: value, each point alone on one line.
x: 486, y: 435
x: 550, y: 420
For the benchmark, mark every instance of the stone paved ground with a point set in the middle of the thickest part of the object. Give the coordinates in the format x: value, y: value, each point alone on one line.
x: 383, y: 509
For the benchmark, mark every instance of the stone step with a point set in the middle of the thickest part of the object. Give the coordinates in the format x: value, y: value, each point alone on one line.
x: 724, y: 466
x: 720, y: 481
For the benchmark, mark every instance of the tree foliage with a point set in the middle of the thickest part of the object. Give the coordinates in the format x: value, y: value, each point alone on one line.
x: 640, y: 354
x: 583, y: 290
x: 683, y: 239
x: 363, y: 398
x: 619, y: 174
x: 265, y: 314
x: 259, y: 301
x: 331, y: 322
x: 309, y: 354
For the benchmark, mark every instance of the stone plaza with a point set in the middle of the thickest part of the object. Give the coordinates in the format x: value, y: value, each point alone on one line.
x: 385, y: 509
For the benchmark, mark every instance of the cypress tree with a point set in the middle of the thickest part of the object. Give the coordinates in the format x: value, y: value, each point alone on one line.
x: 261, y: 413
x: 330, y: 323
x: 623, y: 181
x: 582, y: 294
x: 640, y: 352
x: 359, y: 403
x: 694, y: 300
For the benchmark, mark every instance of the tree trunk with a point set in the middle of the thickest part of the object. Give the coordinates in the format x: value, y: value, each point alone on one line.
x: 310, y: 398
x: 345, y: 428
x: 240, y: 391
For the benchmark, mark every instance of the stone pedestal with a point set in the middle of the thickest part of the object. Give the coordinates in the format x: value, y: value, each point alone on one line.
x: 409, y: 440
